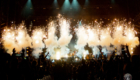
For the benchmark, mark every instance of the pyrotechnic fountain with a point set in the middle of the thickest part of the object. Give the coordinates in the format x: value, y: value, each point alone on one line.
x: 116, y: 33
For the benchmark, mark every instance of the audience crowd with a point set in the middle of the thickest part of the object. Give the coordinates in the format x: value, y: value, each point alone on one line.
x: 29, y: 68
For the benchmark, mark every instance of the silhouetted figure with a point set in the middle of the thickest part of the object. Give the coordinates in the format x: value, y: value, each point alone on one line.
x: 128, y: 53
x: 127, y: 65
x: 124, y: 53
x: 14, y: 52
x: 23, y: 53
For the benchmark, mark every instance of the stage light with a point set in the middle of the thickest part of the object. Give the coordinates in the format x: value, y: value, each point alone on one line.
x: 86, y: 2
x: 75, y: 5
x: 55, y: 3
x: 112, y: 1
x: 28, y: 9
x: 66, y: 6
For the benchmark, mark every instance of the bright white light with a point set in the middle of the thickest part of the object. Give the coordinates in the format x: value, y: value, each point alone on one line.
x: 66, y: 56
x: 19, y: 37
x: 8, y: 36
x: 35, y: 37
x: 58, y: 55
x: 44, y: 36
x: 19, y: 41
x: 37, y: 42
x: 104, y: 37
x: 38, y: 33
x: 84, y: 55
x: 119, y: 28
x: 130, y: 36
x: 20, y: 33
x: 108, y: 28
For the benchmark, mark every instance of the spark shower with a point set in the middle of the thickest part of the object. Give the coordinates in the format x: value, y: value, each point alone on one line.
x: 116, y: 33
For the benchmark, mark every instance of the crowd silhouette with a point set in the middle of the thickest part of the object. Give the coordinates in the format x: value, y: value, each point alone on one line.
x: 29, y: 68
